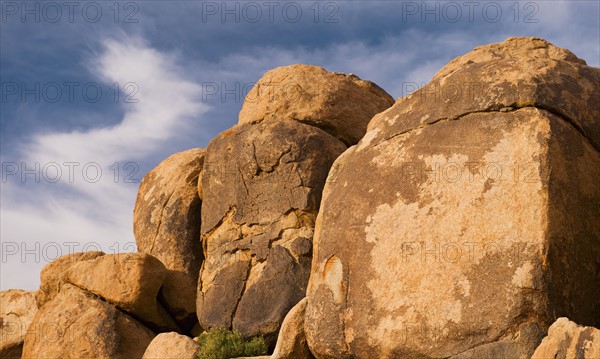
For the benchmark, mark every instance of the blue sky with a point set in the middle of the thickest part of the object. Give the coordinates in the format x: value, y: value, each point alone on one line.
x: 93, y: 94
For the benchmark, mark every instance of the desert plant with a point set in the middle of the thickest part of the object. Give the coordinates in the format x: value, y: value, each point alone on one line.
x: 220, y: 343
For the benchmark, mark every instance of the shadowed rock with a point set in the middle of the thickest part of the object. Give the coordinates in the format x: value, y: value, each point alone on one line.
x: 261, y: 192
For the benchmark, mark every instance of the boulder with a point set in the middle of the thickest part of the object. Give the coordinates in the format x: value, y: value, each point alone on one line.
x: 568, y: 340
x: 17, y: 309
x: 172, y: 345
x: 339, y: 104
x: 77, y: 324
x: 51, y: 277
x: 167, y: 225
x: 291, y: 342
x: 261, y: 192
x: 469, y: 223
x: 131, y: 281
x: 516, y: 73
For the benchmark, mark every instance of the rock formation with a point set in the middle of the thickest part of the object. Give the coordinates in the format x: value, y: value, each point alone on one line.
x: 474, y: 213
x: 262, y: 186
x: 104, y: 306
x: 17, y: 309
x: 166, y: 224
x: 461, y: 222
x: 261, y: 189
x: 517, y: 345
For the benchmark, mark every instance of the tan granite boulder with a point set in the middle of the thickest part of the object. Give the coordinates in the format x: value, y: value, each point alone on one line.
x: 167, y: 226
x: 291, y: 341
x: 131, y: 281
x: 517, y: 345
x: 451, y: 226
x: 337, y: 103
x: 17, y: 309
x: 76, y: 324
x: 568, y: 340
x: 516, y: 73
x: 51, y: 277
x: 172, y: 345
x: 261, y: 192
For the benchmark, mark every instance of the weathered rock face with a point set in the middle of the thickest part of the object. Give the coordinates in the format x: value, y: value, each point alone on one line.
x: 17, y: 309
x: 172, y: 345
x: 131, y: 281
x: 76, y: 324
x: 568, y: 340
x: 516, y: 73
x: 167, y: 226
x: 261, y: 191
x: 291, y: 342
x: 471, y: 218
x: 51, y: 277
x: 339, y: 104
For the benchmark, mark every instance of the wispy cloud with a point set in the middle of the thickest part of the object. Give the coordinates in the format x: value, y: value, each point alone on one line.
x: 163, y: 103
x: 83, y: 208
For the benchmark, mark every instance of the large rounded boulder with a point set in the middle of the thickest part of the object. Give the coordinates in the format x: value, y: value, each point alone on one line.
x: 340, y: 104
x: 473, y: 211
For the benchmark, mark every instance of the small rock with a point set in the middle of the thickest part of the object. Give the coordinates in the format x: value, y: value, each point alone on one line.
x: 172, y: 345
x: 566, y: 339
x: 291, y: 342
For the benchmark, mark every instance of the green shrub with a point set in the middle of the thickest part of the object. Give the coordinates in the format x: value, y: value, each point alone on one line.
x: 224, y: 344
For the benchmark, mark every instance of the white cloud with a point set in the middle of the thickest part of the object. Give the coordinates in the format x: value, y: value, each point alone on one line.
x: 41, y: 220
x: 165, y: 99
